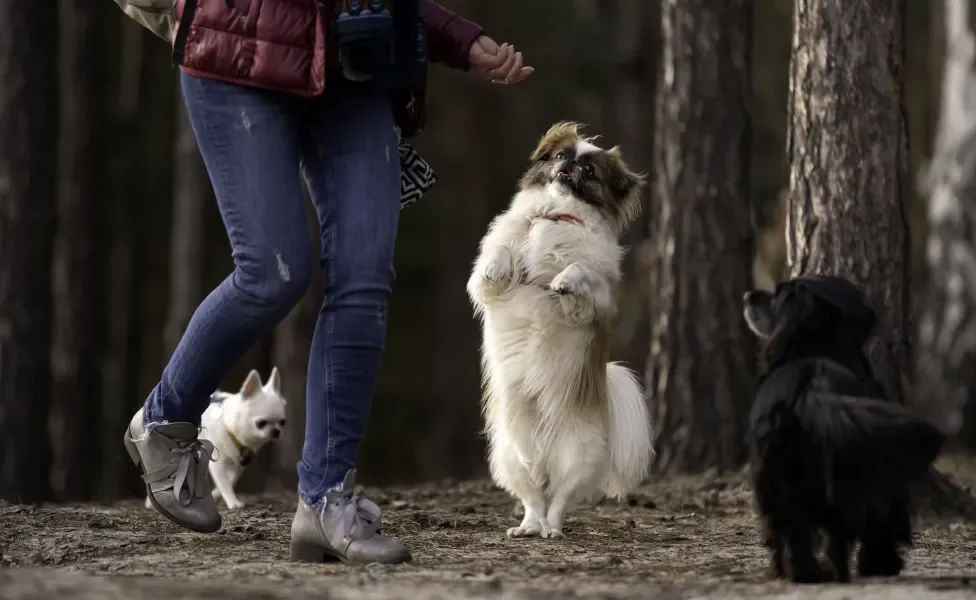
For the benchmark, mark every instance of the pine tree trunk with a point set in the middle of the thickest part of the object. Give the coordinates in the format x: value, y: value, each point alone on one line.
x: 76, y: 298
x: 848, y: 169
x: 28, y: 197
x: 847, y: 145
x: 118, y: 405
x: 701, y: 370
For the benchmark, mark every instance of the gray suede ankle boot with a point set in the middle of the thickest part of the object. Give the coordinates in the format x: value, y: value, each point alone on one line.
x: 345, y: 528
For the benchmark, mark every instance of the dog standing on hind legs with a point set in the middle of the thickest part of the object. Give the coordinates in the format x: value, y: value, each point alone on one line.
x: 829, y: 451
x: 563, y: 424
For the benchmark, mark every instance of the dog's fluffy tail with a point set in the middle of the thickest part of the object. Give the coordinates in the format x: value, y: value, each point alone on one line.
x: 630, y: 443
x: 874, y: 439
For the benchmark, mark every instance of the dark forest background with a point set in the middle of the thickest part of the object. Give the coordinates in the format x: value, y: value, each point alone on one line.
x: 107, y: 221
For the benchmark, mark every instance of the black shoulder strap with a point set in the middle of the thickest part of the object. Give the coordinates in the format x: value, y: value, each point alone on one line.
x: 179, y: 43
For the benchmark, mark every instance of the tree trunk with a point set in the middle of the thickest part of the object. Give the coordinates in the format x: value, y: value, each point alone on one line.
x: 947, y: 332
x: 848, y: 167
x: 635, y: 30
x: 28, y: 196
x: 76, y: 300
x: 117, y: 280
x: 191, y: 192
x: 701, y: 370
x: 847, y: 146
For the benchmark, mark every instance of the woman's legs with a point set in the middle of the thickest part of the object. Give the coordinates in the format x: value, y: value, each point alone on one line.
x: 249, y: 142
x: 352, y: 167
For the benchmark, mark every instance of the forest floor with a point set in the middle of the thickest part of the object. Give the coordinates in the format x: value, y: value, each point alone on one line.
x: 683, y: 538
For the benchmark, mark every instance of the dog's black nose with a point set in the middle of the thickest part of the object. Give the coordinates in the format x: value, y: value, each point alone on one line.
x: 276, y: 433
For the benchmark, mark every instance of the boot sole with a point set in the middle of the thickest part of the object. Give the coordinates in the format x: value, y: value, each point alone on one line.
x: 130, y: 447
x: 307, y: 552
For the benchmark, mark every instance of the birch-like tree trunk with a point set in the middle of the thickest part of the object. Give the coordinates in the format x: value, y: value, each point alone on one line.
x: 947, y: 331
x: 28, y: 200
x: 701, y: 372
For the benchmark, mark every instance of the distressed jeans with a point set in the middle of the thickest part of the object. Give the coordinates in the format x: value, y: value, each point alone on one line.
x: 257, y: 145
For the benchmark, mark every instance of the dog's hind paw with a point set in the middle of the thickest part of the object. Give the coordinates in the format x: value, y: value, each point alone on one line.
x: 551, y: 533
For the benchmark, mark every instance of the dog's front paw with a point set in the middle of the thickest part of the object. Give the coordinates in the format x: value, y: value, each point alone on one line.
x: 233, y: 503
x: 569, y: 281
x: 499, y: 267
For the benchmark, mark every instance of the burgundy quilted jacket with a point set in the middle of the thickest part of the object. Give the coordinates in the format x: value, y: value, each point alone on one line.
x: 284, y: 45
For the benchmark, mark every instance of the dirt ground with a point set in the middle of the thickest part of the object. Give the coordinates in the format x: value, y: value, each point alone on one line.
x: 686, y: 538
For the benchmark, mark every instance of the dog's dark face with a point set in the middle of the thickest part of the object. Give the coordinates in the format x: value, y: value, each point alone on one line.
x: 591, y: 174
x: 807, y: 304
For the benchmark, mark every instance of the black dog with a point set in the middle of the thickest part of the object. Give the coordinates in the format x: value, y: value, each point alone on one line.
x: 829, y: 452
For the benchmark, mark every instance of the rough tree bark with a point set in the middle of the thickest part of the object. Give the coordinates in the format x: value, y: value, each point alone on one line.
x: 28, y: 196
x: 701, y: 371
x: 847, y: 146
x: 947, y: 332
x: 188, y: 260
x: 76, y: 299
x: 848, y: 151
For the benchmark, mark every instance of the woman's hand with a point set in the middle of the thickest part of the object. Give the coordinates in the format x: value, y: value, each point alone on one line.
x: 498, y: 64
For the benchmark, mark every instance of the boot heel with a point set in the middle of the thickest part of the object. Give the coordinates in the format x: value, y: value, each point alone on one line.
x: 130, y: 447
x: 305, y: 552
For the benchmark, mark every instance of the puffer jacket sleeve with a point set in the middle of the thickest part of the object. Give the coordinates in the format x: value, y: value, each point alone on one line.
x: 449, y: 36
x: 154, y: 15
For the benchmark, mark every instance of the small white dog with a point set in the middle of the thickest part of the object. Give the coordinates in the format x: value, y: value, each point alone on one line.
x: 239, y: 425
x: 563, y: 425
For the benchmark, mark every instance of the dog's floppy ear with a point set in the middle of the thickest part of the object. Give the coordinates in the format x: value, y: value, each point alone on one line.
x: 843, y: 296
x: 252, y: 385
x: 274, y: 381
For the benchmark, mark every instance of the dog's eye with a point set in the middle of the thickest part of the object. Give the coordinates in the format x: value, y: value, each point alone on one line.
x: 560, y: 155
x: 588, y: 171
x: 261, y: 424
x: 282, y: 422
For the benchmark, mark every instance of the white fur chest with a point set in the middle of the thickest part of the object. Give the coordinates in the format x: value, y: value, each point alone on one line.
x: 550, y: 247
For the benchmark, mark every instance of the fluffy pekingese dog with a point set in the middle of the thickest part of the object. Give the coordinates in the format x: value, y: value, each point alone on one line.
x: 829, y: 451
x: 563, y: 425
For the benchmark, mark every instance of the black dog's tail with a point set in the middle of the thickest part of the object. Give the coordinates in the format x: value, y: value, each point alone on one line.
x: 871, y: 439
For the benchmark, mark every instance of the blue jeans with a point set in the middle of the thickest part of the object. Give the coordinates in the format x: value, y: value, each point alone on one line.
x: 257, y: 145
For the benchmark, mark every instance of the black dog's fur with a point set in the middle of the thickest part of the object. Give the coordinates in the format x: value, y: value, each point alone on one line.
x: 829, y: 452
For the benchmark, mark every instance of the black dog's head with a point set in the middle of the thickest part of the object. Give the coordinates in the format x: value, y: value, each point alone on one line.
x: 812, y: 306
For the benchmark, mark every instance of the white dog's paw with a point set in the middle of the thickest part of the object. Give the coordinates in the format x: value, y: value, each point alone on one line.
x: 148, y: 503
x: 523, y: 532
x: 233, y: 504
x: 499, y: 267
x: 569, y: 281
x: 550, y: 533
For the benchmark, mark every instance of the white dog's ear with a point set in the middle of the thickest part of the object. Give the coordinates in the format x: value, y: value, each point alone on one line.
x: 252, y: 385
x: 274, y: 381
